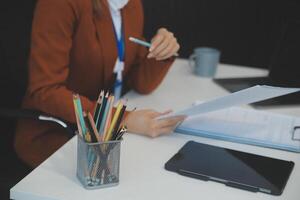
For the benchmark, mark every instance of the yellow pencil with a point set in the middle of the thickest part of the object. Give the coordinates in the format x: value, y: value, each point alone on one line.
x: 113, y: 122
x: 88, y: 137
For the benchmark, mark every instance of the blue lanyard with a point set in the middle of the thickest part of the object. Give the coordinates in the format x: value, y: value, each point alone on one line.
x: 120, y: 44
x: 121, y: 57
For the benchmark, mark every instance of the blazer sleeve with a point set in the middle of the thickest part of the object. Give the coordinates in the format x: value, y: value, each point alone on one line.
x: 52, y: 31
x: 146, y: 74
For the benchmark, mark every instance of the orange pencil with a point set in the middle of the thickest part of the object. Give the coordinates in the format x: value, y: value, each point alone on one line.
x: 89, y: 115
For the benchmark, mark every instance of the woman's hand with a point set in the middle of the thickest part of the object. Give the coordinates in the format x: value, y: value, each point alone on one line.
x: 164, y: 45
x: 144, y: 122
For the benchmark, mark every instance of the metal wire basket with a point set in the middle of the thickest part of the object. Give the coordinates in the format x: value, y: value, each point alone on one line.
x: 98, y: 163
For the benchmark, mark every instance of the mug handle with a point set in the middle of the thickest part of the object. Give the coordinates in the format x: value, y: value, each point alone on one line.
x: 192, y: 60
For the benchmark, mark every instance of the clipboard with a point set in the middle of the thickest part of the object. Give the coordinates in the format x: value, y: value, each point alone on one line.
x: 246, y: 126
x: 295, y: 136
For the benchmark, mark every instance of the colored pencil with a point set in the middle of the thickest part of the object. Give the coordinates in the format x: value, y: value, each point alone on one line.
x: 109, y: 116
x: 97, y: 135
x: 105, y: 114
x: 101, y: 112
x: 118, y: 123
x: 77, y: 101
x: 113, y: 122
x: 98, y: 105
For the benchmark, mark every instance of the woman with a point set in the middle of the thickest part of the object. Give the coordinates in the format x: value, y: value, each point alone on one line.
x: 75, y: 46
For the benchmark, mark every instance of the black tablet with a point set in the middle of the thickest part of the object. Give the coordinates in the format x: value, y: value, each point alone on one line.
x: 233, y: 168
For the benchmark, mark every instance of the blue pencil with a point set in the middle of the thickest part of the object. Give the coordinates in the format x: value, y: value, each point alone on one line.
x: 143, y: 43
x: 77, y: 102
x: 104, y: 118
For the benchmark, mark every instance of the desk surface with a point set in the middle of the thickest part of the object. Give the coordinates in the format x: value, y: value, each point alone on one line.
x: 142, y: 175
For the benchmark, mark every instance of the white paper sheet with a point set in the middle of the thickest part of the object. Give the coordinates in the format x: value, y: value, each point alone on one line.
x: 246, y: 125
x: 242, y: 97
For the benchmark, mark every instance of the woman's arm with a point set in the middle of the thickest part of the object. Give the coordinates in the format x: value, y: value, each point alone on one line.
x: 52, y: 31
x: 146, y: 73
x: 151, y: 65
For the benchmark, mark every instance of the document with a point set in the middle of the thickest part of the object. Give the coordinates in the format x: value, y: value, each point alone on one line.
x: 242, y: 97
x: 246, y: 126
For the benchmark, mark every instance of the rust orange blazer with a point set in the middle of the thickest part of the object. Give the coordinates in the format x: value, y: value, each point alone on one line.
x: 74, y: 50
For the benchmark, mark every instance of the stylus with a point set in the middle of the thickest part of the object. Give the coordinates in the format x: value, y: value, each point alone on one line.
x: 143, y: 43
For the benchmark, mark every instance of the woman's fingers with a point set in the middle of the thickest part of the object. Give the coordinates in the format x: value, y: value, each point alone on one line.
x: 165, y: 126
x: 166, y: 130
x: 155, y: 114
x: 159, y: 48
x: 164, y: 45
x: 156, y: 41
x: 168, y: 52
x: 145, y: 122
x: 170, y: 122
x: 162, y: 130
x: 166, y: 112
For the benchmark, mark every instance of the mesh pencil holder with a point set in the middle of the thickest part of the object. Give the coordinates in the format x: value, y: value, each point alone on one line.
x: 98, y: 163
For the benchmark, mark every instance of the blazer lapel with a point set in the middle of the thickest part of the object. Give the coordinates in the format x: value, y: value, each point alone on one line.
x: 107, y: 42
x: 126, y: 28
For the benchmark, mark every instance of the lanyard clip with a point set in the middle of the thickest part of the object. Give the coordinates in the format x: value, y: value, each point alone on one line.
x: 118, y: 69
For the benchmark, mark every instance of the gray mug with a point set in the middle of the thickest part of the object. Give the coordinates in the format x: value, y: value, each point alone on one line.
x: 205, y: 60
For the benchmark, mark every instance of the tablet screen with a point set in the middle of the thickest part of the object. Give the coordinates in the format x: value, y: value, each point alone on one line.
x: 233, y: 168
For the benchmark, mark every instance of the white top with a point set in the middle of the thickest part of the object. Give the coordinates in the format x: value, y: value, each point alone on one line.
x: 115, y: 6
x: 142, y: 173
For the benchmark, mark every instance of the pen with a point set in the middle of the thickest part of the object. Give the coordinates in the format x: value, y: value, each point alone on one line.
x: 98, y: 105
x: 143, y: 43
x: 140, y: 42
x: 101, y: 112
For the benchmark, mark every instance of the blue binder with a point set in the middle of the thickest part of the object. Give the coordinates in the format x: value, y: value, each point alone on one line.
x: 246, y: 126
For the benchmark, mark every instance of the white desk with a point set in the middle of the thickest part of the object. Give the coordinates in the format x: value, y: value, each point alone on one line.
x: 142, y: 174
